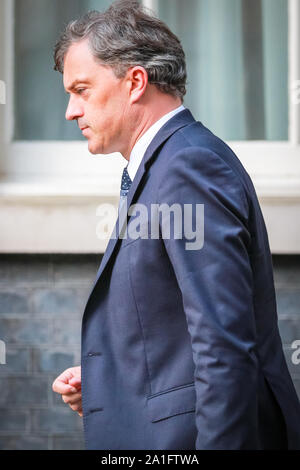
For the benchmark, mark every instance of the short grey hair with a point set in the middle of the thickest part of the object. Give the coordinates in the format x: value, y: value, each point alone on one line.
x: 125, y: 35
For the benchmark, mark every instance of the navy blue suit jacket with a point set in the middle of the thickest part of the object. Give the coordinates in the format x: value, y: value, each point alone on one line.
x: 181, y: 348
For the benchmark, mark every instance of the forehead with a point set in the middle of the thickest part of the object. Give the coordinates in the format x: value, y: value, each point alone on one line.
x: 79, y: 63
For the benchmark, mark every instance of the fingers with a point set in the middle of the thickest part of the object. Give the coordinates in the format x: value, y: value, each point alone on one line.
x: 66, y: 375
x: 77, y: 407
x: 59, y: 386
x: 68, y: 384
x: 74, y: 401
x: 62, y: 383
x: 71, y: 398
x: 75, y: 382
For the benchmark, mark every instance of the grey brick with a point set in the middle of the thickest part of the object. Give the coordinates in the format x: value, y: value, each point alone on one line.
x: 57, y: 421
x: 289, y: 328
x: 61, y: 443
x: 21, y: 442
x: 26, y: 330
x: 287, y: 270
x: 60, y: 301
x: 288, y: 302
x: 76, y: 269
x: 17, y: 360
x: 69, y: 334
x: 13, y: 420
x: 57, y: 399
x: 23, y: 391
x: 25, y: 269
x: 15, y: 301
x: 54, y: 361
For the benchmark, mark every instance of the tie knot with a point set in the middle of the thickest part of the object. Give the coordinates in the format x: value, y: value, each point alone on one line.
x: 125, y: 183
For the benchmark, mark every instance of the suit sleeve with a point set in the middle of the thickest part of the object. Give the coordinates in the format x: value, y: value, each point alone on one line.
x: 216, y: 287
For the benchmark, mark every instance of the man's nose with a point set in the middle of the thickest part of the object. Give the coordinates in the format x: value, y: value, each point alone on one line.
x: 74, y: 110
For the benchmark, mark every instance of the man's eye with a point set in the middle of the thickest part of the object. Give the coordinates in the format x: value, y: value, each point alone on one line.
x: 80, y: 90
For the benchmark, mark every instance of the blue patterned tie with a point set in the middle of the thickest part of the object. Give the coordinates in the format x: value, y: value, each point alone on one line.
x: 126, y: 183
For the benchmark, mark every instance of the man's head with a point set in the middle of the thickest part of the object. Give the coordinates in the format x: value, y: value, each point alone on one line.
x: 117, y: 65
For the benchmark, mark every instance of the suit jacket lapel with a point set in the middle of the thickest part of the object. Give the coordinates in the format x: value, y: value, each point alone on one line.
x: 177, y: 122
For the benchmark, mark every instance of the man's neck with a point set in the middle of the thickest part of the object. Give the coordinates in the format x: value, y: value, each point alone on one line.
x: 144, y: 141
x: 146, y: 119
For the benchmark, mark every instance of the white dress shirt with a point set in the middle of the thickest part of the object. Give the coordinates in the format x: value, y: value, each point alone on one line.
x: 143, y: 142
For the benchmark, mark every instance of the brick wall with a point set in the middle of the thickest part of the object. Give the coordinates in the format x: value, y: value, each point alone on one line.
x: 287, y: 285
x: 41, y: 304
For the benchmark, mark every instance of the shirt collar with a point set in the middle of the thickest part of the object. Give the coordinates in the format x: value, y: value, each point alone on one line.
x: 143, y: 142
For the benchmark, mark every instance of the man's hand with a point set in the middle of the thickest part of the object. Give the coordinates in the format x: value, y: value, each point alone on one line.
x: 68, y: 384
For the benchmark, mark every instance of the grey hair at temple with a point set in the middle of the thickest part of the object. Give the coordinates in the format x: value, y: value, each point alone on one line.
x: 125, y: 35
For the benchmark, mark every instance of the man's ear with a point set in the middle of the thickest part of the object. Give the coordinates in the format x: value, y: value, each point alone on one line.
x: 137, y: 78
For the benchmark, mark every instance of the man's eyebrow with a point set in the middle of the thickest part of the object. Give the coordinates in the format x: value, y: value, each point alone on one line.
x: 73, y: 85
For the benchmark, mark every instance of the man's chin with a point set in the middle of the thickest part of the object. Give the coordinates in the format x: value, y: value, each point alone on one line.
x: 93, y: 149
x: 99, y: 150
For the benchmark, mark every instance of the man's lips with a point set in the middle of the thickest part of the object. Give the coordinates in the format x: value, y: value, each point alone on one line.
x: 84, y: 130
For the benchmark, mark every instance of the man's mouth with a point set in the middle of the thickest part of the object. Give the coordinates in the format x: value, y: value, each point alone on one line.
x: 84, y: 130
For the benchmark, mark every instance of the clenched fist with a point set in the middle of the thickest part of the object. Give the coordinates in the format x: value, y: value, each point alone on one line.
x: 68, y: 384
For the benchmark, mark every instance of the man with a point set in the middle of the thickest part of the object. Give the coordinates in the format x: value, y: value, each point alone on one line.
x: 180, y: 343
